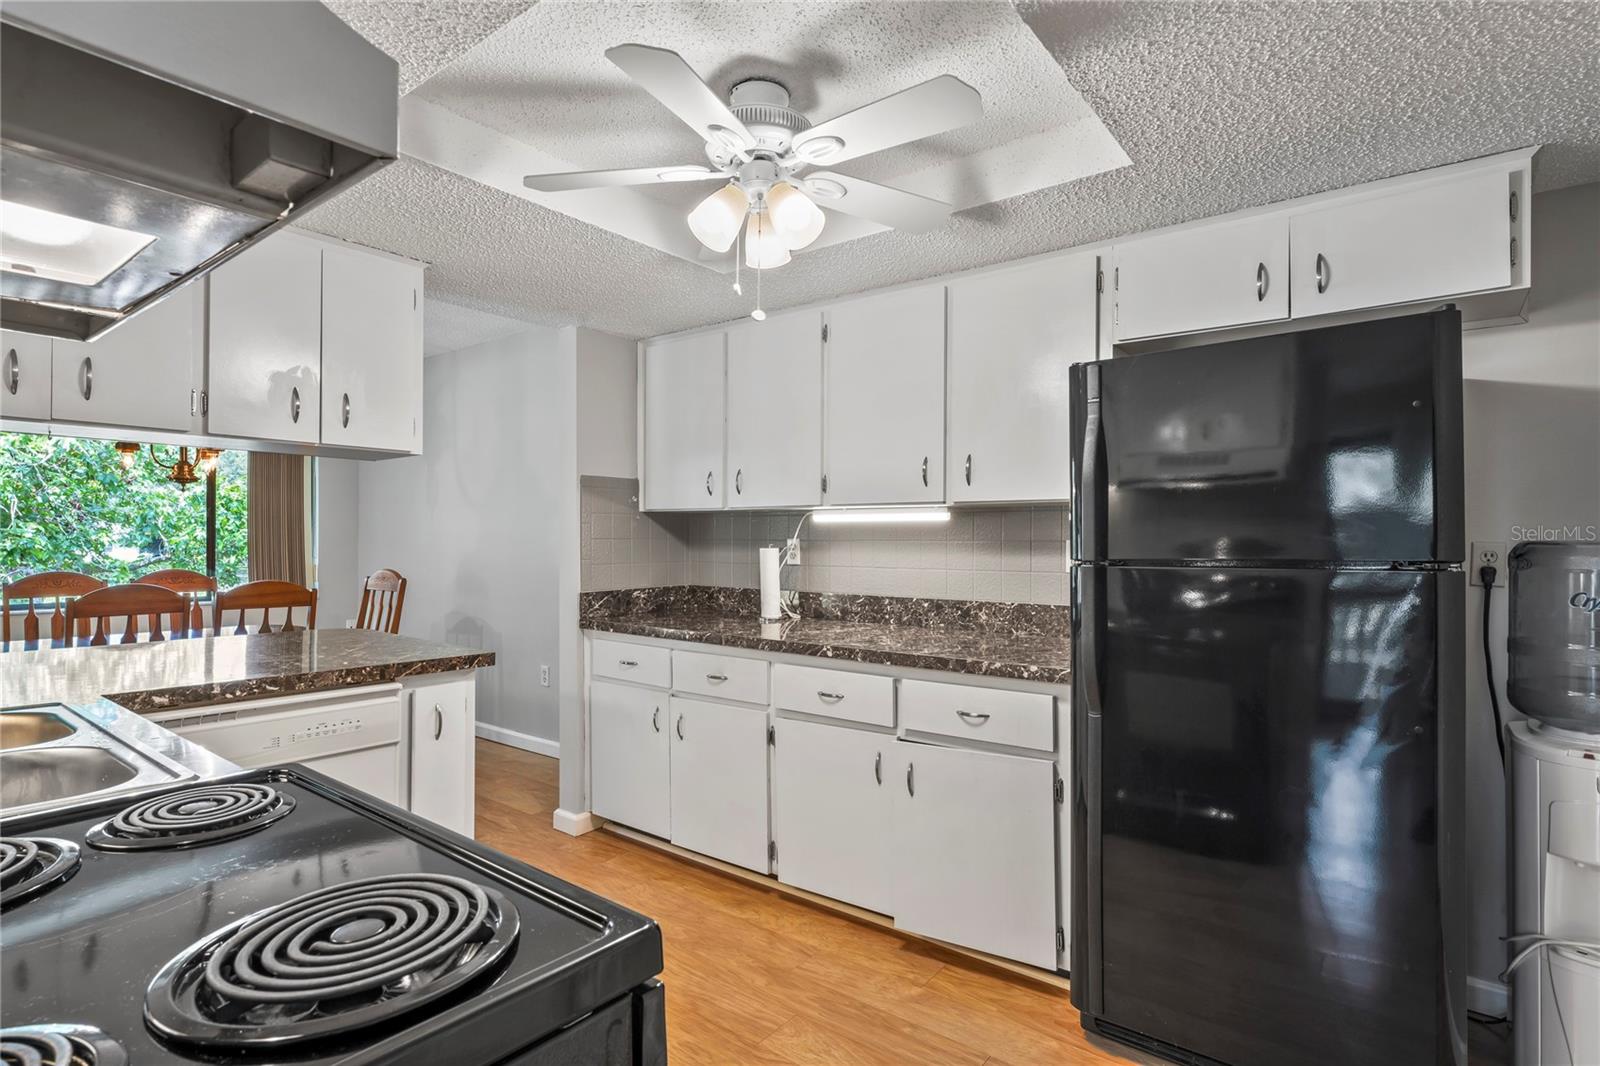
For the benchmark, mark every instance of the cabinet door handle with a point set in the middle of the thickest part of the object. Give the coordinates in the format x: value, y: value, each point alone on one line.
x: 438, y: 722
x: 911, y: 785
x: 13, y: 371
x: 972, y: 717
x: 716, y: 679
x: 1261, y: 282
x: 1324, y: 272
x: 924, y: 471
x: 88, y: 377
x: 738, y: 481
x: 655, y: 719
x: 294, y: 404
x: 708, y: 483
x: 345, y: 413
x: 829, y: 697
x: 969, y: 468
x: 877, y: 769
x: 680, y: 727
x: 627, y: 664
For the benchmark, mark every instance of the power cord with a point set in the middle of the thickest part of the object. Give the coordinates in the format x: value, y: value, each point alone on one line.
x: 1486, y: 575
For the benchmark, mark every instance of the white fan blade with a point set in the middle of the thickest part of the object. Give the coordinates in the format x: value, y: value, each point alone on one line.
x: 937, y: 105
x: 877, y: 203
x: 607, y: 179
x: 664, y: 75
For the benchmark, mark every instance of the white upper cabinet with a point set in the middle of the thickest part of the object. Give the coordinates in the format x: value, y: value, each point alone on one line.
x: 1204, y: 277
x: 1441, y: 239
x: 24, y: 376
x: 885, y: 398
x: 144, y: 374
x: 371, y: 351
x: 263, y: 366
x: 684, y: 422
x: 1013, y: 334
x: 775, y: 412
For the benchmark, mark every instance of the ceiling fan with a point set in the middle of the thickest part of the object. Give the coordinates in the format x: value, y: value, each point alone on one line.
x: 764, y: 151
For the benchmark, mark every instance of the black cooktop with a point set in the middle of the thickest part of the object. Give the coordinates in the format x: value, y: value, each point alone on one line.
x: 277, y: 916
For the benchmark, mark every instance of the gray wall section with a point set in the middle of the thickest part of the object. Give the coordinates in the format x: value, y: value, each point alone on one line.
x: 474, y: 522
x: 1532, y: 426
x: 339, y: 577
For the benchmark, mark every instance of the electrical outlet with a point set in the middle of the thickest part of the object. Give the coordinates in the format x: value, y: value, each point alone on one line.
x: 544, y: 676
x: 792, y: 556
x: 1488, y: 553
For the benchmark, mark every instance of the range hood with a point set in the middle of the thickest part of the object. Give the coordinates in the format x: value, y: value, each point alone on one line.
x: 142, y: 144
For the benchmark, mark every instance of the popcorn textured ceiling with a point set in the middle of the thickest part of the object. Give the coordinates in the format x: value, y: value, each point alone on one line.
x: 1221, y: 106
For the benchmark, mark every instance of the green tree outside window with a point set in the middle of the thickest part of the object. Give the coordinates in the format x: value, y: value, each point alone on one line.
x: 67, y: 504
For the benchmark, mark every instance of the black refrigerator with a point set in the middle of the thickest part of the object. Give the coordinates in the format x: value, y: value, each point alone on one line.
x: 1267, y: 601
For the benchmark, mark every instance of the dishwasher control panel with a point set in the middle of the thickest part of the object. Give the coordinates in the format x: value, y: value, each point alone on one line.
x: 295, y: 730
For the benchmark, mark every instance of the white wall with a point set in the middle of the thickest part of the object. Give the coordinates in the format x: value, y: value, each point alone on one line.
x: 608, y: 424
x: 339, y: 576
x: 474, y: 522
x: 1532, y: 425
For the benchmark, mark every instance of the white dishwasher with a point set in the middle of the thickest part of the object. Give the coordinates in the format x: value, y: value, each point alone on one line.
x: 354, y: 735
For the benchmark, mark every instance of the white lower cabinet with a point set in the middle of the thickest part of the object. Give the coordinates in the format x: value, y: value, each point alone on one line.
x: 719, y: 781
x: 973, y: 857
x: 442, y: 729
x: 630, y: 774
x: 831, y: 804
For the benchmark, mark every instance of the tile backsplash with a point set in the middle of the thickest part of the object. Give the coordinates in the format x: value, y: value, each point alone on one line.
x: 1014, y: 555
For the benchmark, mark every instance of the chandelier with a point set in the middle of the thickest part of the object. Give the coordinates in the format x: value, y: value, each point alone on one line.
x: 181, y: 471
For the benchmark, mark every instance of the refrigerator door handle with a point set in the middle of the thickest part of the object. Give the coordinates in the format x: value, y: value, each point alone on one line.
x: 1086, y: 508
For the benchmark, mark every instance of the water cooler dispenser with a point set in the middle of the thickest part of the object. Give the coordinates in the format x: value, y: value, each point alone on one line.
x: 1553, y: 677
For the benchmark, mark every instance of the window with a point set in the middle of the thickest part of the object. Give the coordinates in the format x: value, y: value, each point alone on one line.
x: 68, y: 504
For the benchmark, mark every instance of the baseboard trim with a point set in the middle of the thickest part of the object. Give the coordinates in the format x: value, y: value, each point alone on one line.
x: 1488, y: 997
x: 1021, y: 969
x: 575, y: 824
x: 525, y: 741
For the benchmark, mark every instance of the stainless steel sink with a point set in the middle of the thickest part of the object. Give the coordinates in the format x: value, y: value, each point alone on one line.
x: 23, y: 729
x: 56, y: 772
x: 53, y: 753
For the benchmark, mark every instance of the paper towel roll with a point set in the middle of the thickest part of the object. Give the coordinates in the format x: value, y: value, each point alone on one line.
x: 771, y: 606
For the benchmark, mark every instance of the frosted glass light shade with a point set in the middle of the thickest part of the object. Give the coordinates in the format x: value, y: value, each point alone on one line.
x: 715, y: 221
x: 797, y: 220
x: 763, y: 247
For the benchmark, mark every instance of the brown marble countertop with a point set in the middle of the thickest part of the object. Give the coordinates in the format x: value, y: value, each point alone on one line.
x: 992, y: 640
x: 202, y: 670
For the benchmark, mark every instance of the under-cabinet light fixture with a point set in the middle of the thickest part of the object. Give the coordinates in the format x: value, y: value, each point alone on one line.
x: 843, y: 515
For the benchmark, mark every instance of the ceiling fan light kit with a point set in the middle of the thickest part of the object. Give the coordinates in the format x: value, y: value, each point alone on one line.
x: 761, y: 146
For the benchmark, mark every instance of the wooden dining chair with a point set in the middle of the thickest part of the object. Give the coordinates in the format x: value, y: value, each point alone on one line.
x: 265, y: 596
x: 383, y: 597
x: 193, y: 586
x: 129, y: 603
x: 60, y: 587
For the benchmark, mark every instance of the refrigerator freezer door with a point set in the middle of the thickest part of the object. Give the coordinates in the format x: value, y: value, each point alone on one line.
x: 1332, y: 445
x: 1262, y: 757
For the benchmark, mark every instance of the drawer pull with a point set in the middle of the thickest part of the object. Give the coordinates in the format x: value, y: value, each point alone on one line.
x: 716, y: 679
x: 627, y: 664
x: 972, y: 717
x: 829, y: 697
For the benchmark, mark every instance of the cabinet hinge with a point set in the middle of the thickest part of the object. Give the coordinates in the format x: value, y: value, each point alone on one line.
x: 1116, y: 278
x: 1061, y: 791
x: 772, y: 850
x: 1099, y: 281
x: 413, y: 299
x: 205, y: 402
x: 772, y: 735
x: 824, y: 333
x: 824, y: 484
x: 1061, y: 939
x: 194, y: 400
x: 1513, y: 251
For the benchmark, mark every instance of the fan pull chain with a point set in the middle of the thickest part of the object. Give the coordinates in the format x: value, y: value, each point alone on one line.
x: 738, y: 256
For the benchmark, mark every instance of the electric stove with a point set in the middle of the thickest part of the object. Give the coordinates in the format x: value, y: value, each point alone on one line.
x: 277, y: 917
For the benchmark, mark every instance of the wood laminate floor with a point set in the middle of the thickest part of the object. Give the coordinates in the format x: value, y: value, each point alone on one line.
x: 755, y: 976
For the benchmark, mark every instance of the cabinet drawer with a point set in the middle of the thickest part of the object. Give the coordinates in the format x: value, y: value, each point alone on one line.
x: 834, y: 693
x: 643, y: 664
x: 727, y: 677
x: 994, y: 716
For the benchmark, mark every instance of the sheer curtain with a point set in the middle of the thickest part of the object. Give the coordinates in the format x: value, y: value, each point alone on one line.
x: 277, y: 517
